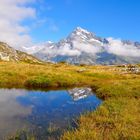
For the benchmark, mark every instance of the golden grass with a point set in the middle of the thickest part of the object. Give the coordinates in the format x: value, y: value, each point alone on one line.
x: 118, y: 118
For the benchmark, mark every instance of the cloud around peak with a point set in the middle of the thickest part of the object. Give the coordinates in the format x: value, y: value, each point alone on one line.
x: 78, y: 43
x: 117, y: 47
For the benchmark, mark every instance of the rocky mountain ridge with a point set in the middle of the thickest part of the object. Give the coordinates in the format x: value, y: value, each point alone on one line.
x: 84, y: 47
x: 8, y: 53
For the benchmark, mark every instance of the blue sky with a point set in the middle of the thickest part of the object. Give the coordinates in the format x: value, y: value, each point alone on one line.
x: 25, y: 21
x: 115, y: 18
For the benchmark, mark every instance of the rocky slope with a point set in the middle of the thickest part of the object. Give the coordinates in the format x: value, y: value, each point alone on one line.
x: 8, y: 53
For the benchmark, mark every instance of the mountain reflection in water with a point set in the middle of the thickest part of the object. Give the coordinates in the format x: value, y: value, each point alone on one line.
x: 80, y: 93
x: 38, y: 111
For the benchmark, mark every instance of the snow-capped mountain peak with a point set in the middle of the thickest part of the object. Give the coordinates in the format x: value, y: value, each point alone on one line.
x: 81, y: 33
x: 82, y: 46
x: 49, y: 42
x: 81, y: 30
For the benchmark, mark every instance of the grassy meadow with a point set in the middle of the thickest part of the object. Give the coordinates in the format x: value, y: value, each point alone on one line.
x: 118, y: 118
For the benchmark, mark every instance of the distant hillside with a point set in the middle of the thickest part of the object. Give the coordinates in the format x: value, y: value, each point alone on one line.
x: 8, y: 53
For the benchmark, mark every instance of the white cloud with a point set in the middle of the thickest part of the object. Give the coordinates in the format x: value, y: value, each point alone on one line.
x: 12, y: 13
x: 86, y: 47
x: 66, y: 50
x: 63, y: 50
x: 10, y: 110
x: 117, y: 47
x: 12, y: 31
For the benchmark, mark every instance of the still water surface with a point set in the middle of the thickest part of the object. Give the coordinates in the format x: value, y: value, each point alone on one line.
x: 43, y: 114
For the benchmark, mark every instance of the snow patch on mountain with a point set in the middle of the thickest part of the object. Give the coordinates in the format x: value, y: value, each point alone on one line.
x: 82, y: 46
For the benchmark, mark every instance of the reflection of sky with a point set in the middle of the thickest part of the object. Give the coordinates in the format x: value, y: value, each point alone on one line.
x: 11, y: 112
x: 56, y: 106
x: 40, y: 108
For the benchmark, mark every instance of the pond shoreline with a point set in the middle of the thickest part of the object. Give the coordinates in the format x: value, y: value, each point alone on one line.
x: 45, y: 113
x: 120, y: 92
